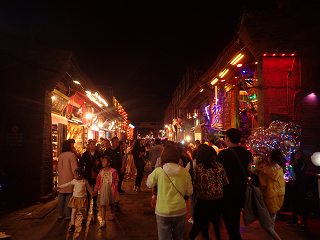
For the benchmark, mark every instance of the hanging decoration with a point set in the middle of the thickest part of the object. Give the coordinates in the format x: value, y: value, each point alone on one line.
x: 279, y: 135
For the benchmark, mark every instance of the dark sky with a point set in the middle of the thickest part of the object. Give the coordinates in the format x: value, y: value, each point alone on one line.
x: 127, y: 44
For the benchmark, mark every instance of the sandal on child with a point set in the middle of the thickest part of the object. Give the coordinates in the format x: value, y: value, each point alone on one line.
x: 72, y: 228
x: 111, y: 217
x: 103, y: 224
x: 84, y: 222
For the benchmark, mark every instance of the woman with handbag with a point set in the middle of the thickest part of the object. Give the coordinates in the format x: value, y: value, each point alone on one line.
x: 173, y: 182
x: 209, y: 180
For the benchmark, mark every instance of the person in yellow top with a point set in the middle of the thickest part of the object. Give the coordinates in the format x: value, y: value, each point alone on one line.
x: 272, y: 186
x: 173, y: 182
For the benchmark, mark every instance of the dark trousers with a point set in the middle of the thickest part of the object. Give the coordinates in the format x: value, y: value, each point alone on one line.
x: 92, y: 183
x: 231, y: 209
x: 139, y: 177
x: 298, y: 202
x: 94, y: 180
x: 121, y: 176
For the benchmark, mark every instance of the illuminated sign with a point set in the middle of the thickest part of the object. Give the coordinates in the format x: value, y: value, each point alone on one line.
x: 216, y: 115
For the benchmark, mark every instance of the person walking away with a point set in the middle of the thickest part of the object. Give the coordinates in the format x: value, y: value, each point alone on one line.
x: 139, y: 162
x: 272, y: 186
x: 234, y: 193
x: 297, y: 190
x: 88, y: 163
x: 131, y: 169
x: 118, y: 163
x: 174, y: 182
x: 207, y: 212
x: 148, y: 147
x: 123, y: 149
x: 211, y: 143
x: 155, y: 152
x: 79, y: 198
x: 67, y: 164
x: 107, y: 185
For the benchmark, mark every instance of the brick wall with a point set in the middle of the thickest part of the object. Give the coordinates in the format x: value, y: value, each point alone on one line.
x: 26, y: 102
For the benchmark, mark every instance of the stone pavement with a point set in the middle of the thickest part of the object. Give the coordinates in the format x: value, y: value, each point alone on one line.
x: 135, y: 221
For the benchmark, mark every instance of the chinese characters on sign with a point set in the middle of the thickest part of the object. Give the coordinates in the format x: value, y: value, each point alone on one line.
x: 14, y: 138
x: 216, y: 114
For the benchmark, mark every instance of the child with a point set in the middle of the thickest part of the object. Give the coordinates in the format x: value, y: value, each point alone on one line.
x: 107, y: 184
x: 272, y: 186
x: 79, y: 198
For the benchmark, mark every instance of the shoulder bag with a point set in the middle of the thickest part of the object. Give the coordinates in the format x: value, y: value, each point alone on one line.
x: 185, y: 197
x: 254, y: 207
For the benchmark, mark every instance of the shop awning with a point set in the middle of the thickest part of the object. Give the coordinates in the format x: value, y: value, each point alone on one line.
x: 196, y: 127
x: 59, y: 119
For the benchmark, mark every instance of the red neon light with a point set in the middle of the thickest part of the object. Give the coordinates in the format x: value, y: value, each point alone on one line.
x: 239, y: 65
x: 275, y: 54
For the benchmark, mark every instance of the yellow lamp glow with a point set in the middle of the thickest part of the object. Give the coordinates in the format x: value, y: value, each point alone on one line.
x: 214, y: 81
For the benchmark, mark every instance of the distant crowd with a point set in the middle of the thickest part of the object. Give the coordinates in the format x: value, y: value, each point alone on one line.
x: 213, y: 176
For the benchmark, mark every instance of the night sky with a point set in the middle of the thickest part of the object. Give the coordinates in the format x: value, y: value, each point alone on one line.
x: 128, y: 44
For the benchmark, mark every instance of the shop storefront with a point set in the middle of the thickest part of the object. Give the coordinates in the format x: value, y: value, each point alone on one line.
x: 59, y: 127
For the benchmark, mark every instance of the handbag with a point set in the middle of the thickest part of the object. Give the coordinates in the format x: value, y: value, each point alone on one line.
x: 254, y: 207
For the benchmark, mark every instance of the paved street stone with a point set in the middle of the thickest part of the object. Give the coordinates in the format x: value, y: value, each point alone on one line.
x: 135, y: 220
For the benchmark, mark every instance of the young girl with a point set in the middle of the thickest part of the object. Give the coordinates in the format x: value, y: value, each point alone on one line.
x: 272, y: 186
x: 79, y: 198
x: 107, y: 185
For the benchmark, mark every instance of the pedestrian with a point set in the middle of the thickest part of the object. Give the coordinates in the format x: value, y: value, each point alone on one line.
x: 211, y: 143
x: 106, y: 145
x: 123, y: 148
x: 139, y: 162
x: 155, y: 152
x: 130, y: 169
x: 272, y: 186
x: 297, y: 190
x: 118, y: 162
x: 79, y: 198
x: 174, y: 182
x: 88, y: 162
x: 207, y: 212
x: 234, y: 193
x: 148, y: 147
x: 67, y: 164
x: 107, y: 185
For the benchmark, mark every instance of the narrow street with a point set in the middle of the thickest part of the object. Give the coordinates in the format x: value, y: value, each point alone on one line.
x: 136, y: 220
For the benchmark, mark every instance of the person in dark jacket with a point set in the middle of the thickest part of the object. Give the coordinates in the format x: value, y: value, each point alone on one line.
x: 88, y: 163
x: 234, y: 193
x: 297, y: 190
x: 139, y: 161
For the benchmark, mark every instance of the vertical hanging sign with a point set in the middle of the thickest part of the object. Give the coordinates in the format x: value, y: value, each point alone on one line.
x: 216, y: 115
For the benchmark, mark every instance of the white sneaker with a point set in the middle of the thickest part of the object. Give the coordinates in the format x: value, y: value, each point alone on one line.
x: 135, y: 188
x: 3, y: 235
x: 103, y: 224
x: 190, y: 220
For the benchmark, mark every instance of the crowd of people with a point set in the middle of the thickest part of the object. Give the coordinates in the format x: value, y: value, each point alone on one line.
x: 209, y: 175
